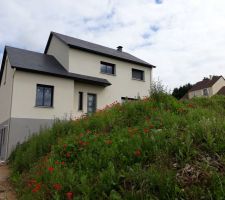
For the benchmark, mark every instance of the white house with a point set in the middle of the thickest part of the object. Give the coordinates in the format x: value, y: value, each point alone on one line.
x: 208, y: 87
x: 72, y: 77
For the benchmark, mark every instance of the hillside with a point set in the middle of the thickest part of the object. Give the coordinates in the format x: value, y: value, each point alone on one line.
x: 157, y: 148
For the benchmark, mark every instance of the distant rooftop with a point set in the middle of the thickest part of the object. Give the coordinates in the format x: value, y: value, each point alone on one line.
x: 205, y: 83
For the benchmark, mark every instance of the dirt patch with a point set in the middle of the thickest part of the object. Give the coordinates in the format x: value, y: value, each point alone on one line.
x: 6, y: 191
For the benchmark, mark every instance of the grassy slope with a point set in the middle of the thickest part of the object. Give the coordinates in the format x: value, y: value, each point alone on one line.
x: 156, y: 148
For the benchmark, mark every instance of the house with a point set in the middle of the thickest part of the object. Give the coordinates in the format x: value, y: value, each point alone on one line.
x: 208, y: 87
x: 71, y: 78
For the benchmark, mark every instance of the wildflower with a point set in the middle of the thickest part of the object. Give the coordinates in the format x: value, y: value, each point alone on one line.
x: 145, y: 130
x: 68, y: 154
x: 51, y: 169
x: 81, y: 135
x: 108, y: 141
x: 31, y: 182
x: 190, y: 105
x: 137, y: 153
x: 151, y: 126
x: 63, y: 163
x: 37, y: 188
x: 56, y: 162
x: 69, y: 195
x: 64, y: 146
x: 57, y: 186
x: 88, y: 131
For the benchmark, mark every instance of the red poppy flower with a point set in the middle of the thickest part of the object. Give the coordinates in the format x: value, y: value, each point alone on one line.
x: 56, y: 162
x: 57, y: 186
x: 137, y: 153
x: 51, y: 169
x: 68, y: 154
x: 108, y: 142
x: 63, y: 163
x: 69, y: 195
x: 151, y: 126
x: 37, y: 188
x: 64, y: 146
x: 145, y: 130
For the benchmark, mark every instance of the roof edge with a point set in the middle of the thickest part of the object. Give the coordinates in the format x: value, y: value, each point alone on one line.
x: 3, y: 64
x: 79, y: 79
x: 91, y: 51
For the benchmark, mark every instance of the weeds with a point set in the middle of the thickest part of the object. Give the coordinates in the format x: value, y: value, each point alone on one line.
x: 156, y: 148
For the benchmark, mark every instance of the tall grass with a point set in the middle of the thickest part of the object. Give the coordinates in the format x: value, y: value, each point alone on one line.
x: 156, y: 148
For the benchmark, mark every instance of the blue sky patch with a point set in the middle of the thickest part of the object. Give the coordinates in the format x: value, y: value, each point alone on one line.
x: 154, y: 28
x: 158, y: 1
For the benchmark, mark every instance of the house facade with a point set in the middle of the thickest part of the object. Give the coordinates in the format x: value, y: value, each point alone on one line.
x: 208, y: 87
x: 71, y: 78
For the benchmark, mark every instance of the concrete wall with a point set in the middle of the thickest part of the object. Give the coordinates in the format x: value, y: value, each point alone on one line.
x: 22, y: 128
x: 123, y: 85
x: 60, y: 51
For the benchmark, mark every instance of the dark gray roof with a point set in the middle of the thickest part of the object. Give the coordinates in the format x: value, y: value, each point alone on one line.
x: 97, y: 49
x: 46, y: 64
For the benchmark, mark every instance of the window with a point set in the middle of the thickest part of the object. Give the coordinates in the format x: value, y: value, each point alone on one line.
x: 205, y: 92
x: 2, y: 139
x: 107, y: 68
x: 91, y: 103
x: 137, y: 74
x: 80, y: 103
x: 125, y: 99
x: 44, y: 95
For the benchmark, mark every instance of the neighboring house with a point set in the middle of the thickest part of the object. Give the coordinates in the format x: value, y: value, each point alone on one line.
x: 71, y: 78
x: 208, y: 87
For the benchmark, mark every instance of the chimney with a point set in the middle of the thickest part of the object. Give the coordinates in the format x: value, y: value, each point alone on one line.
x: 120, y: 48
x: 210, y: 77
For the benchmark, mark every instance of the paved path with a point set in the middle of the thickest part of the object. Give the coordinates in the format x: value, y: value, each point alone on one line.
x: 6, y: 192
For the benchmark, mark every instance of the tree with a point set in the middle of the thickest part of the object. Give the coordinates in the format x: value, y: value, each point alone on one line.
x: 181, y: 91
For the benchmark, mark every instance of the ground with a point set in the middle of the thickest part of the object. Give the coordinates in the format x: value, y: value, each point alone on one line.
x: 6, y: 192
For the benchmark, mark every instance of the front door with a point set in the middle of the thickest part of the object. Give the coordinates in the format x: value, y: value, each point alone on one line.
x: 91, y: 103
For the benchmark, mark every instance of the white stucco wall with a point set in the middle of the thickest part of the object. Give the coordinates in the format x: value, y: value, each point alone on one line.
x: 123, y: 85
x: 6, y: 92
x: 60, y: 50
x: 24, y: 96
x: 218, y: 85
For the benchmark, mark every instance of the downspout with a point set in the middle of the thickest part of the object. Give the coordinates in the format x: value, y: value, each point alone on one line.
x: 7, y: 148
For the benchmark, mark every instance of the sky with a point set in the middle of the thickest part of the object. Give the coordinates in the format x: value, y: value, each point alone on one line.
x: 184, y: 39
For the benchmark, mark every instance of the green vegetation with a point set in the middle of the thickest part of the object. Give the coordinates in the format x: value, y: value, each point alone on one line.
x: 156, y: 148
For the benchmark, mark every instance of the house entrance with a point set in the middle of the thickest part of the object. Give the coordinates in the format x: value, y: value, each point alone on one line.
x: 91, y: 103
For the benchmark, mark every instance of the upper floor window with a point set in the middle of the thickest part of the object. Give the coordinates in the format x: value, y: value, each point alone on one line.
x: 205, y: 92
x: 44, y: 95
x: 137, y: 74
x: 107, y: 68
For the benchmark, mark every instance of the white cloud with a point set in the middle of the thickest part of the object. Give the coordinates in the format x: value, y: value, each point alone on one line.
x: 187, y: 43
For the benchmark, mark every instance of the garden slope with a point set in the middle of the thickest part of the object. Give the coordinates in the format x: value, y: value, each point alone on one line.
x: 157, y: 148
